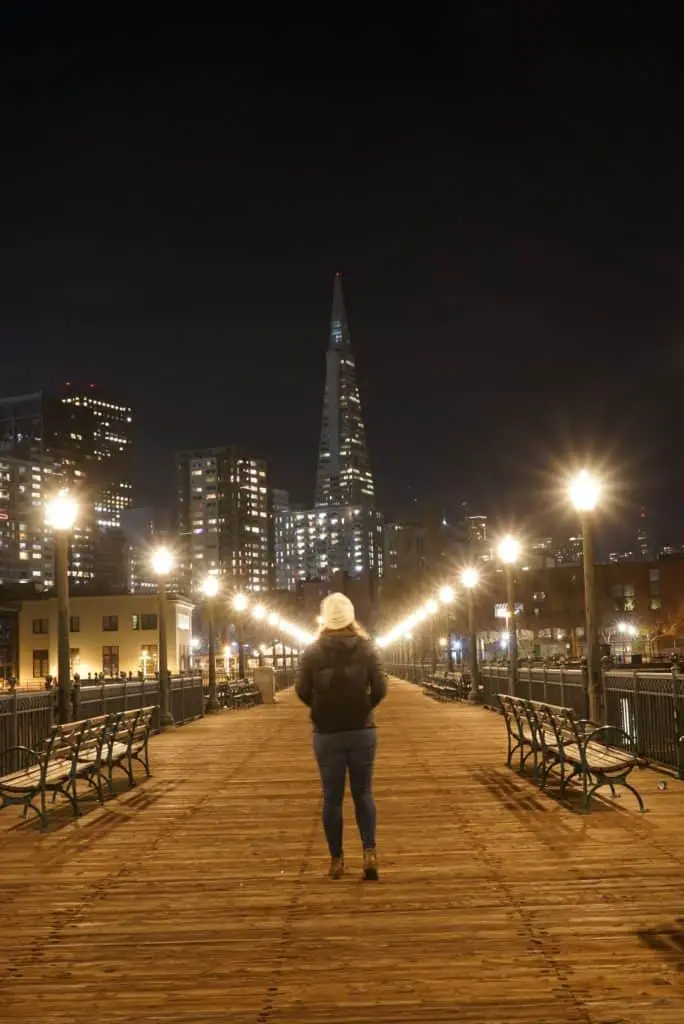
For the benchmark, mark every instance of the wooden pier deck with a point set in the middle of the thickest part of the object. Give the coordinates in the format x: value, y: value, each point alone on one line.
x: 201, y: 895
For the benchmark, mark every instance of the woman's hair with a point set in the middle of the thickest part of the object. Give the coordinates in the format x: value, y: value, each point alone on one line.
x: 354, y: 627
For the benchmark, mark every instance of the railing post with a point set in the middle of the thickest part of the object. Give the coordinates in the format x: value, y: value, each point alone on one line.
x: 182, y: 699
x: 13, y: 731
x: 585, y: 686
x: 125, y: 694
x: 637, y: 717
x: 76, y: 700
x: 561, y: 682
x: 545, y: 680
x: 678, y: 719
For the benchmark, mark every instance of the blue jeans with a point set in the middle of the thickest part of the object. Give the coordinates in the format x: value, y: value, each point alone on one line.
x: 336, y: 752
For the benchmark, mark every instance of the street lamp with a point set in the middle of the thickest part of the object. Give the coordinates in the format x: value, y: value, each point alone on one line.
x: 210, y: 589
x: 470, y: 577
x: 584, y: 491
x: 162, y: 564
x: 509, y: 552
x: 447, y: 597
x: 410, y: 650
x: 240, y: 604
x: 60, y: 515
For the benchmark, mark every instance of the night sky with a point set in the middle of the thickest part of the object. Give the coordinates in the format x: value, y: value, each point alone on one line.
x: 502, y: 194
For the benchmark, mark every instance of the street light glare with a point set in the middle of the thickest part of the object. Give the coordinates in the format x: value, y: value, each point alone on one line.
x: 431, y: 607
x: 162, y: 562
x: 210, y: 587
x: 61, y: 512
x: 470, y: 577
x: 509, y: 549
x: 240, y: 603
x: 446, y: 595
x: 259, y: 612
x: 584, y: 490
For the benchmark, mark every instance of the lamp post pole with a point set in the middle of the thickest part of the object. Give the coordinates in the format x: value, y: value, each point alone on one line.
x: 585, y: 493
x: 433, y: 646
x: 512, y: 632
x: 590, y: 631
x: 211, y: 589
x: 469, y: 579
x: 61, y: 513
x: 165, y: 717
x: 472, y: 647
x: 63, y: 659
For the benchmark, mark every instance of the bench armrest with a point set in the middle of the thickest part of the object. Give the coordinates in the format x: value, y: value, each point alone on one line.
x: 27, y: 754
x: 605, y: 730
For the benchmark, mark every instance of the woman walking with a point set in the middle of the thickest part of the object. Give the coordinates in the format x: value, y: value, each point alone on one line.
x: 341, y: 680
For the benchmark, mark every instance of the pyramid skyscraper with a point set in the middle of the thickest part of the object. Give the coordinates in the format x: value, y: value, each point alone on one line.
x: 344, y: 476
x: 338, y: 542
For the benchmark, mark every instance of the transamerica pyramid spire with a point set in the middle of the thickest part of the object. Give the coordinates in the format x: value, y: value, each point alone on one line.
x: 344, y: 476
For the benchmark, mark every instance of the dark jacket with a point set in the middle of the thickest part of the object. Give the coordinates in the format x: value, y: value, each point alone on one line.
x: 341, y: 680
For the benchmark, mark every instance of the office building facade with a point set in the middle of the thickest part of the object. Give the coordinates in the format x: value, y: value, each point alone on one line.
x: 80, y: 440
x: 223, y: 519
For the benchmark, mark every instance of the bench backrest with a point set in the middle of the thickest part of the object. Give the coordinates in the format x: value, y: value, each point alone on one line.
x: 514, y: 711
x: 75, y: 741
x: 143, y: 724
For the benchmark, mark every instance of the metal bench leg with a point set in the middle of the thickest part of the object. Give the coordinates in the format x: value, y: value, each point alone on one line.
x: 73, y: 798
x: 42, y: 813
x: 636, y: 793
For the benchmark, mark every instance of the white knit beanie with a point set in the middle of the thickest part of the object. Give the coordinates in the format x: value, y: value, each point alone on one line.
x: 337, y: 611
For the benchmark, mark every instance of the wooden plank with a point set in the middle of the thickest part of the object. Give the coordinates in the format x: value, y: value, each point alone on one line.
x: 201, y: 895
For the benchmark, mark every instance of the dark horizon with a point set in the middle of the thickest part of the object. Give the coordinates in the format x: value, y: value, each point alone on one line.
x: 501, y: 195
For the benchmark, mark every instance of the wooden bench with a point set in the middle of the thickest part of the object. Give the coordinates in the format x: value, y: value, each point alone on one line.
x: 239, y: 694
x: 125, y: 740
x: 557, y: 740
x: 86, y: 751
x: 447, y: 687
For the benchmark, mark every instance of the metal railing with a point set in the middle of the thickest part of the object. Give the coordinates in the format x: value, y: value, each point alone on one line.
x: 26, y: 718
x: 648, y: 705
x: 564, y: 687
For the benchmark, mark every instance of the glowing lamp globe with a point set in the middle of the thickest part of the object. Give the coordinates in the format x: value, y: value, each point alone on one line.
x: 61, y: 512
x: 509, y: 549
x: 162, y: 562
x: 584, y: 491
x: 470, y: 578
x: 210, y: 587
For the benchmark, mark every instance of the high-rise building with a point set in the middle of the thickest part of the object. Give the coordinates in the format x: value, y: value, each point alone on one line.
x: 99, y: 433
x: 643, y: 541
x: 223, y: 518
x: 408, y: 551
x: 83, y: 440
x: 320, y: 543
x: 26, y: 548
x: 342, y: 535
x: 344, y: 476
x: 137, y: 525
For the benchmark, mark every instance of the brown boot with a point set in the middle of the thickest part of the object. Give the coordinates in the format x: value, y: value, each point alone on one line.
x: 370, y: 865
x: 336, y: 867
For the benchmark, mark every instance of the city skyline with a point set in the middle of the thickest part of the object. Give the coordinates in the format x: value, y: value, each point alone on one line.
x: 508, y: 239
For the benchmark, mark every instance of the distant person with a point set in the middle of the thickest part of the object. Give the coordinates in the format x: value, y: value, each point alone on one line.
x: 341, y: 680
